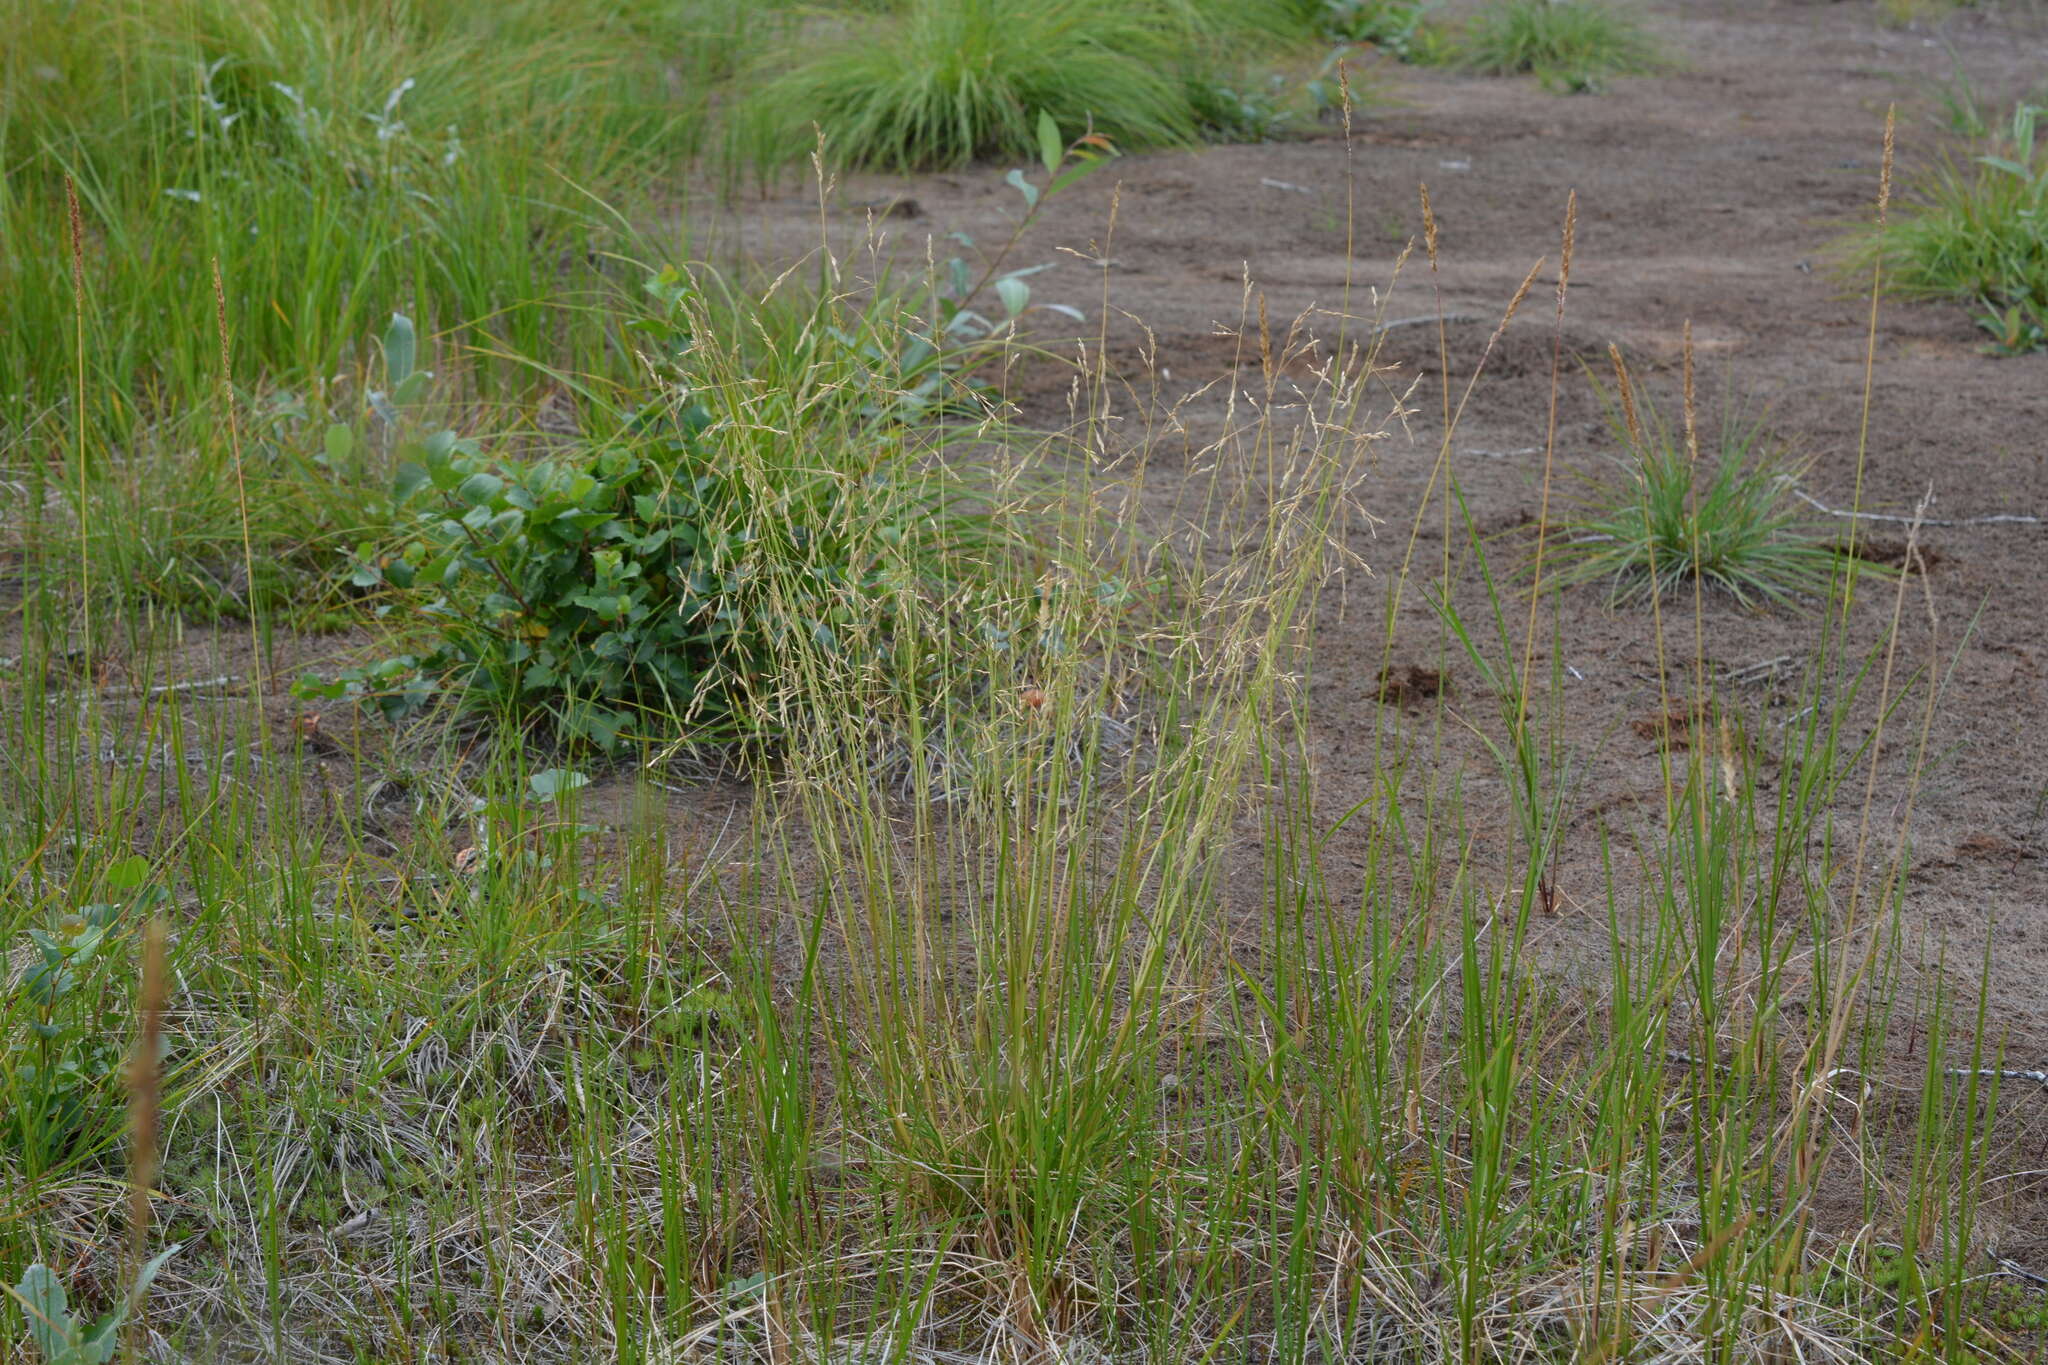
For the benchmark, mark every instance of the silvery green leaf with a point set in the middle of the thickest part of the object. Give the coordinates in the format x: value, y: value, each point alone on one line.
x: 48, y: 1310
x: 400, y: 346
x: 552, y: 783
x: 1015, y: 294
x: 145, y: 1277
x: 1049, y: 149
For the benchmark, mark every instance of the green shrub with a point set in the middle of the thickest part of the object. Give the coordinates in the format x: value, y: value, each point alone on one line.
x: 1570, y: 44
x: 1727, y: 517
x: 644, y: 585
x: 1977, y: 231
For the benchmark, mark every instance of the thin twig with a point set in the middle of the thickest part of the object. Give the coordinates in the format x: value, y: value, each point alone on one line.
x: 2015, y: 1269
x: 2012, y: 518
x: 1431, y: 318
x: 161, y: 689
x: 2039, y: 1078
x: 1751, y: 671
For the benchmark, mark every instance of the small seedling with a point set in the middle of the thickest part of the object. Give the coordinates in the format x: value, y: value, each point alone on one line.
x: 60, y: 1079
x: 61, y: 1339
x: 2016, y: 329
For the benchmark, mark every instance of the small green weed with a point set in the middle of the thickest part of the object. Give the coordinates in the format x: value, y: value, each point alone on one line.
x: 2015, y: 329
x: 61, y: 1339
x: 1572, y: 45
x: 1396, y: 27
x: 1725, y: 516
x: 1242, y: 109
x: 60, y: 1075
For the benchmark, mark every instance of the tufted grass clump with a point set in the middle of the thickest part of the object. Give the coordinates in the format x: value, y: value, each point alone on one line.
x: 936, y: 84
x: 1569, y: 44
x: 1723, y: 516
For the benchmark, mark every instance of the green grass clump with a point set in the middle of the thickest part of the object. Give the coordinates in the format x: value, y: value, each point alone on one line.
x: 1724, y: 516
x: 1977, y: 231
x: 1573, y: 44
x: 338, y: 160
x: 940, y: 83
x: 335, y: 162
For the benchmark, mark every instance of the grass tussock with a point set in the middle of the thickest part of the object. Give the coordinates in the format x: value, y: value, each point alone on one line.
x: 935, y: 84
x: 1723, y: 515
x: 1575, y: 44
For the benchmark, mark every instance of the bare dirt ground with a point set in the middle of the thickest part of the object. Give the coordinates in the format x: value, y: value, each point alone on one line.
x: 1715, y: 195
